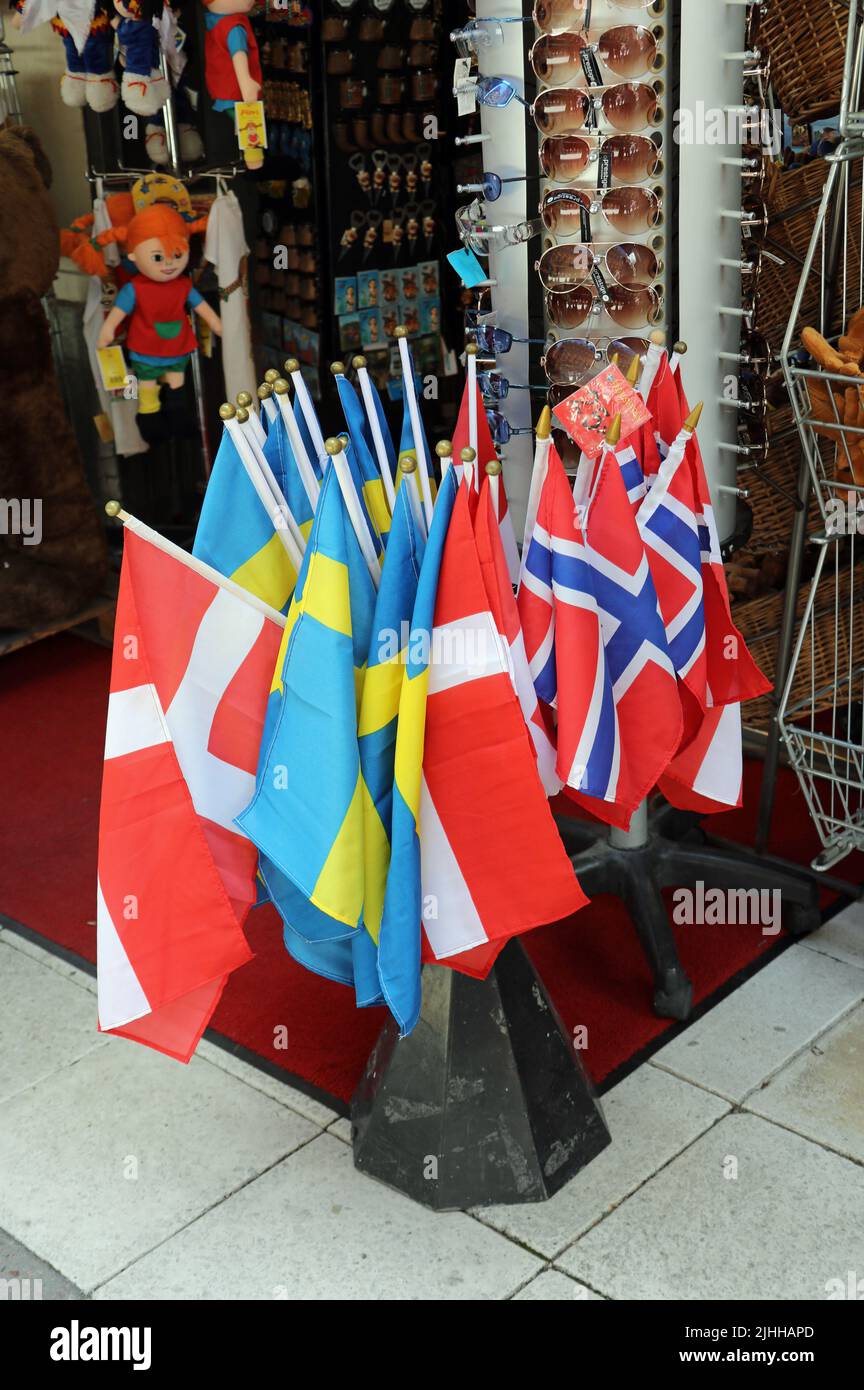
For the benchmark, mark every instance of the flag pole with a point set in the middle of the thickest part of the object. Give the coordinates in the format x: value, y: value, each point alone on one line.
x: 653, y: 360
x: 359, y: 365
x: 467, y: 456
x: 338, y: 370
x: 267, y: 404
x: 335, y: 450
x: 255, y: 428
x: 493, y: 473
x: 288, y: 518
x: 444, y: 450
x: 192, y: 562
x: 471, y: 370
x: 292, y: 367
x: 408, y: 469
x: 678, y: 351
x: 284, y: 529
x: 311, y: 486
x: 543, y: 437
x: 416, y: 426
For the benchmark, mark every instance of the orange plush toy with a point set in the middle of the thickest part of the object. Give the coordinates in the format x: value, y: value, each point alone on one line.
x: 158, y: 299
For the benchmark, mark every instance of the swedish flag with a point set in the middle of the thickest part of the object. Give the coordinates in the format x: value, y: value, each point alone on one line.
x: 280, y: 456
x: 379, y: 712
x: 306, y: 816
x: 406, y: 442
x: 236, y: 536
x: 373, y: 488
x: 399, y: 940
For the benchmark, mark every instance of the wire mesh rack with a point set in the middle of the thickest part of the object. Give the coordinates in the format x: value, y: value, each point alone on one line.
x: 822, y: 702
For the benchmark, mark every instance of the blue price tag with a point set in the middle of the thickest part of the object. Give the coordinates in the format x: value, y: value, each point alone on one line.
x: 467, y: 267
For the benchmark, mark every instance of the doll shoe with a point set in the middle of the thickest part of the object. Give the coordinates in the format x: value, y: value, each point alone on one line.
x: 144, y: 96
x: 254, y: 158
x: 191, y: 144
x: 102, y: 91
x: 73, y: 89
x: 155, y: 144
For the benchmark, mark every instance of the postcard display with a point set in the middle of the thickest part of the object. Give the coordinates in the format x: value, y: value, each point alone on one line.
x: 691, y: 232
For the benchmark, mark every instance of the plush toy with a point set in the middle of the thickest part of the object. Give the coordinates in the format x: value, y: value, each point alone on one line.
x: 85, y: 28
x: 160, y: 338
x: 78, y: 243
x: 51, y: 570
x: 231, y: 63
x: 840, y: 411
x: 144, y: 90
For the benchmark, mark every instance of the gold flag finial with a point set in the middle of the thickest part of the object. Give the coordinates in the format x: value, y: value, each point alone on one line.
x: 693, y: 418
x: 544, y: 424
x: 227, y: 411
x: 613, y: 434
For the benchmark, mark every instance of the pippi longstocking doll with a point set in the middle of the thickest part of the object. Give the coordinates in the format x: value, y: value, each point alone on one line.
x: 160, y: 338
x: 232, y: 67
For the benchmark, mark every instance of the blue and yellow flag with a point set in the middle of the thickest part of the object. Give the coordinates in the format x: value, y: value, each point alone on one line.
x: 399, y: 941
x: 385, y: 428
x: 406, y: 443
x: 280, y: 456
x: 237, y: 537
x: 306, y: 437
x: 377, y: 729
x: 306, y: 816
x: 373, y: 488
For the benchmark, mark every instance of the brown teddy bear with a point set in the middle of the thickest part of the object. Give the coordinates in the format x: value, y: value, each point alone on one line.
x: 53, y: 556
x: 840, y: 411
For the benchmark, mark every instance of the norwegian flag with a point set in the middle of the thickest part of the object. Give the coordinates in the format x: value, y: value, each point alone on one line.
x: 563, y: 640
x: 642, y: 676
x: 193, y: 661
x: 502, y: 606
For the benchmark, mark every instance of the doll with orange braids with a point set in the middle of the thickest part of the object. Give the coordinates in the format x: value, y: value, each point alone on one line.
x: 160, y: 338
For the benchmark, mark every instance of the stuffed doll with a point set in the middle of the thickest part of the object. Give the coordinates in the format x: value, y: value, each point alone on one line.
x: 85, y: 28
x: 78, y: 243
x: 144, y: 90
x: 160, y: 338
x: 232, y: 66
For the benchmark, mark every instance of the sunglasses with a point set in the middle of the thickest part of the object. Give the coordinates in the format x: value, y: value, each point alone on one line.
x: 628, y: 107
x: 631, y: 158
x: 482, y: 236
x: 629, y: 308
x: 631, y: 264
x: 571, y: 360
x: 501, y: 429
x: 627, y: 51
x: 480, y: 36
x: 497, y: 340
x: 550, y: 15
x: 498, y: 387
x: 630, y: 211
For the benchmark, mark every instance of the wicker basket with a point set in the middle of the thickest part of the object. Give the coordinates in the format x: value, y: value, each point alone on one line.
x: 759, y: 622
x: 807, y: 44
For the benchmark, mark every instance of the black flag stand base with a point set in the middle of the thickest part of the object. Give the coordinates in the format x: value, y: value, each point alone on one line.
x: 636, y: 866
x: 486, y: 1101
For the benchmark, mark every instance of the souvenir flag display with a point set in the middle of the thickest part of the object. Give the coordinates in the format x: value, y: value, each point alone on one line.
x: 366, y: 757
x: 189, y: 684
x: 236, y: 536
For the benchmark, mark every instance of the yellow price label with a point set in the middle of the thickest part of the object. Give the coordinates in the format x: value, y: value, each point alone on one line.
x: 250, y: 125
x: 113, y: 367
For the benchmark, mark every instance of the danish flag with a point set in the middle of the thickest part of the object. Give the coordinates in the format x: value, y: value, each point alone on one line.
x: 193, y: 661
x: 485, y: 453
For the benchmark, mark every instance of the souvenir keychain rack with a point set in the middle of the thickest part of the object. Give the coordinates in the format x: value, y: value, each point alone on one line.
x: 702, y: 66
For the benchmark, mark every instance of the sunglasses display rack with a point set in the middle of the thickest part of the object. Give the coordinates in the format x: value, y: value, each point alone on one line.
x: 631, y: 212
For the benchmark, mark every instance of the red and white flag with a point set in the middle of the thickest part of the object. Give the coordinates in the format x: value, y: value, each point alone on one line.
x: 480, y: 789
x: 707, y: 773
x: 502, y: 605
x: 193, y: 663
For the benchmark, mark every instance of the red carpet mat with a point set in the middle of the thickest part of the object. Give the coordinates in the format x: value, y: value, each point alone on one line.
x: 53, y: 698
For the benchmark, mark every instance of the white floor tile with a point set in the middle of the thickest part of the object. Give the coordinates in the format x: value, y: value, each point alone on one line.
x: 651, y: 1116
x: 821, y: 1093
x: 554, y: 1287
x: 342, y: 1130
x: 272, y: 1086
x: 792, y: 1221
x: 49, y: 959
x: 842, y: 937
x: 755, y: 1031
x: 46, y: 1021
x: 315, y: 1228
x: 103, y: 1160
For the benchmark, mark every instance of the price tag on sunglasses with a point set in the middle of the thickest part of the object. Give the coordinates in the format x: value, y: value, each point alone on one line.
x: 467, y: 267
x: 588, y: 413
x: 464, y: 86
